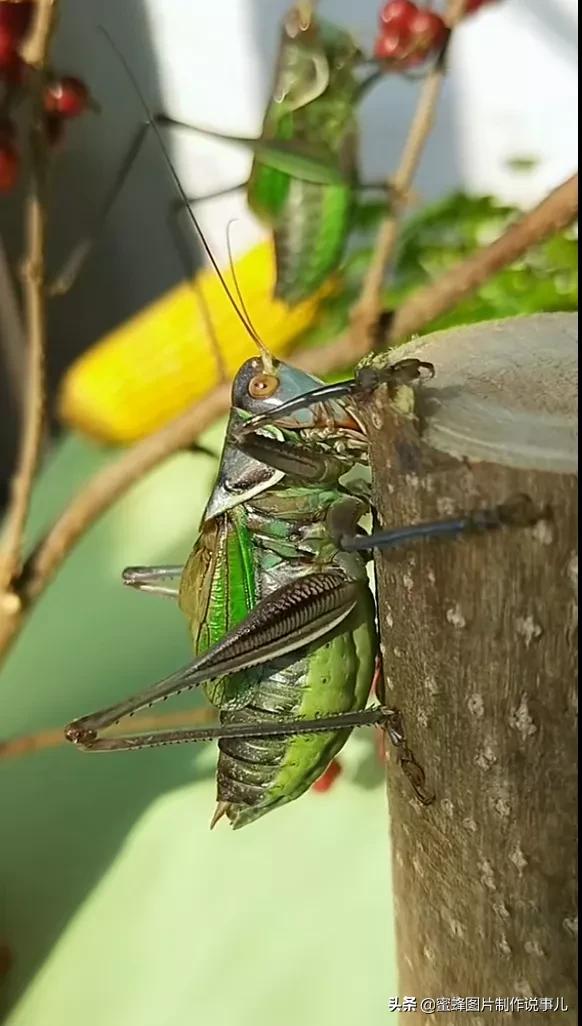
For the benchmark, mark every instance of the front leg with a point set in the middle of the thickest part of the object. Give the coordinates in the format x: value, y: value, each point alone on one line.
x: 308, y: 465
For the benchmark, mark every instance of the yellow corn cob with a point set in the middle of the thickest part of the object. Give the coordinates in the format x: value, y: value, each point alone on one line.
x: 161, y: 361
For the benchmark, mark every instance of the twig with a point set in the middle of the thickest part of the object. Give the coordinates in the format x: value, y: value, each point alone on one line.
x: 55, y: 738
x: 106, y: 487
x: 34, y: 301
x: 11, y: 332
x: 554, y: 213
x: 365, y: 312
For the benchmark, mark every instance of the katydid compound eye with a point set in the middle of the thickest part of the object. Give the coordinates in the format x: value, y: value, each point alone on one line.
x: 263, y: 386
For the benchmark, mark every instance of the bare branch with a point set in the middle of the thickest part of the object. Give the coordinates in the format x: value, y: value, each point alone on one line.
x: 367, y: 309
x: 34, y: 301
x: 11, y: 332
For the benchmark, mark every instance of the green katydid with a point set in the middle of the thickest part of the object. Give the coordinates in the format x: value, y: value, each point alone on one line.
x: 276, y: 594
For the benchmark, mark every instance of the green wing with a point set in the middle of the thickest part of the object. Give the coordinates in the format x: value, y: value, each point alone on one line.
x: 217, y: 590
x: 267, y: 187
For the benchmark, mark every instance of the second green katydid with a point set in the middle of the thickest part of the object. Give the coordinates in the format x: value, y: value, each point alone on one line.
x: 304, y: 178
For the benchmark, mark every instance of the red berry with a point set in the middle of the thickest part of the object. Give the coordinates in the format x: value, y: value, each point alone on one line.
x: 410, y: 40
x: 12, y: 66
x: 9, y: 157
x: 7, y: 45
x: 392, y: 45
x: 428, y: 30
x: 66, y: 97
x: 15, y: 18
x: 380, y: 746
x: 397, y: 11
x: 328, y: 778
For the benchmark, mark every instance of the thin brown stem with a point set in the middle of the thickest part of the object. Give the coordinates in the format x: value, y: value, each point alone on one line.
x: 552, y: 215
x: 55, y: 738
x: 34, y: 303
x: 11, y: 333
x: 367, y: 309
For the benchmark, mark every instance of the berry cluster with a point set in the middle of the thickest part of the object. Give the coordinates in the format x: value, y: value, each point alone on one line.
x: 64, y: 97
x: 409, y: 34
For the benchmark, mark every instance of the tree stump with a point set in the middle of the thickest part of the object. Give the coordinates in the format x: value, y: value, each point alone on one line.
x: 480, y: 654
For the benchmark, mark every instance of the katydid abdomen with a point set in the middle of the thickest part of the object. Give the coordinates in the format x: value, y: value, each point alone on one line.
x: 310, y: 237
x: 282, y: 534
x: 256, y: 776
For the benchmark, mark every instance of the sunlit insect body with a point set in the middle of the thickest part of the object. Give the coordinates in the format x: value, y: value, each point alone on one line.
x: 264, y: 531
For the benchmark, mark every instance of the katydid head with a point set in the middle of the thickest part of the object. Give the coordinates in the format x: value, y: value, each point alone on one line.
x: 302, y: 26
x: 263, y: 390
x: 313, y: 51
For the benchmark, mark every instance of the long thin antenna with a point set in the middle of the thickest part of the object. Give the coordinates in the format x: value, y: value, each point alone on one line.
x: 152, y: 122
x: 265, y: 354
x: 200, y: 299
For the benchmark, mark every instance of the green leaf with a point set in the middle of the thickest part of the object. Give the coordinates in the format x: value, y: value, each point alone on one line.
x: 437, y: 239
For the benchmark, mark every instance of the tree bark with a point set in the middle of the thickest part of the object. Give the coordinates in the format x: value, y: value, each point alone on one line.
x: 480, y: 653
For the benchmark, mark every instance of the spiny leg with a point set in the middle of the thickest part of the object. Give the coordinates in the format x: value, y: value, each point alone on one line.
x: 393, y: 727
x: 389, y: 719
x: 517, y: 511
x: 276, y: 728
x: 297, y: 461
x: 149, y: 578
x: 406, y: 760
x: 290, y: 618
x: 311, y: 162
x: 67, y: 276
